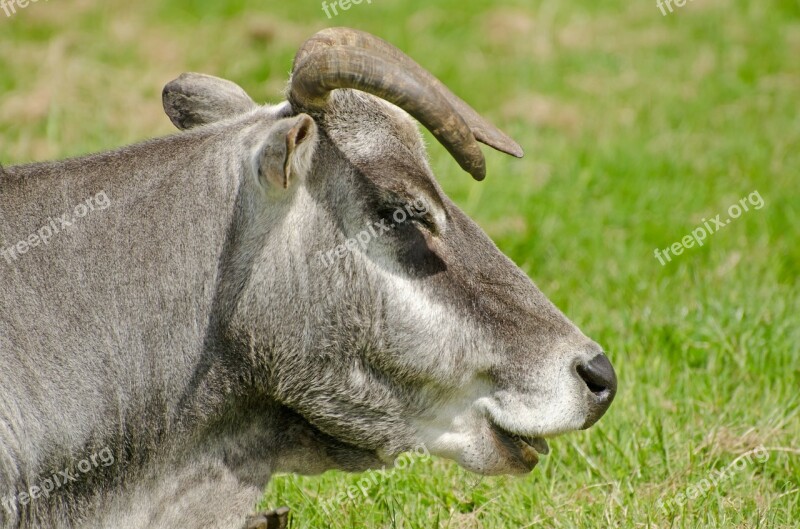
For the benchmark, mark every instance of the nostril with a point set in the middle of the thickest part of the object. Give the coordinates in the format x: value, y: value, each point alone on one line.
x: 590, y: 380
x: 598, y: 375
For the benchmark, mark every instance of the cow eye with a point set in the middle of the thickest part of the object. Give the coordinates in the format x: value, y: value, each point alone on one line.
x: 425, y: 220
x: 401, y: 215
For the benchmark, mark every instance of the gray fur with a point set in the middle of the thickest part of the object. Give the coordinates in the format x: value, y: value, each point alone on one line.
x: 192, y: 329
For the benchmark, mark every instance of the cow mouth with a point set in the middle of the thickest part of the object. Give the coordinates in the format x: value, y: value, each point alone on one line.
x: 523, y: 449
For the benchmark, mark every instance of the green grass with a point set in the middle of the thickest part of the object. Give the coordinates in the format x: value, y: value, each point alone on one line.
x: 636, y: 127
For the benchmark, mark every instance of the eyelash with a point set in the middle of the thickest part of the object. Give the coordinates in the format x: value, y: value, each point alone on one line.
x: 423, y: 219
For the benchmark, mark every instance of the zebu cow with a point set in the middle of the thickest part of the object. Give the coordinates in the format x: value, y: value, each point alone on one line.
x: 218, y: 316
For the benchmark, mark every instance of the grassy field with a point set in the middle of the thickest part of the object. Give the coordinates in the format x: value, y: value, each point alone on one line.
x: 637, y: 127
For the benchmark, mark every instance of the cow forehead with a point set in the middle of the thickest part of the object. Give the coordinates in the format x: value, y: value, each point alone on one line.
x: 371, y: 123
x: 383, y: 142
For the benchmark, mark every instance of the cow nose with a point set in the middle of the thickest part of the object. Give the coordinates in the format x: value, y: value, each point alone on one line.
x: 598, y: 375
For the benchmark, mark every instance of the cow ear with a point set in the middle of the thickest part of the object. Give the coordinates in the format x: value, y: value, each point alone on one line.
x: 287, y: 152
x: 195, y: 99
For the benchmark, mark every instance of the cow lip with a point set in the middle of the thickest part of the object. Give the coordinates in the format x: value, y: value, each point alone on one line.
x: 538, y: 444
x: 525, y: 449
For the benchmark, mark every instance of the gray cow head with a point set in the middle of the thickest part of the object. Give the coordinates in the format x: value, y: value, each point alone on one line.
x: 369, y: 303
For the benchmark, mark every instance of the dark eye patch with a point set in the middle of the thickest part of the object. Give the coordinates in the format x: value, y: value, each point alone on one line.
x: 411, y: 225
x: 401, y: 214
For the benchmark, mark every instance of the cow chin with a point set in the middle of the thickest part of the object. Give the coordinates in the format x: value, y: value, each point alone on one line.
x: 478, y: 445
x: 493, y: 453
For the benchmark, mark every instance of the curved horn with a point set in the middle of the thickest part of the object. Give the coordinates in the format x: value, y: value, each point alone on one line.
x: 483, y: 130
x: 344, y: 58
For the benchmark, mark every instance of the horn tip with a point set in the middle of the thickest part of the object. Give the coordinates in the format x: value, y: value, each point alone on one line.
x: 509, y: 146
x: 478, y: 173
x: 500, y: 142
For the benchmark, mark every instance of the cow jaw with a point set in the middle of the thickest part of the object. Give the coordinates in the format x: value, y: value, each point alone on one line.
x: 462, y: 431
x: 490, y: 429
